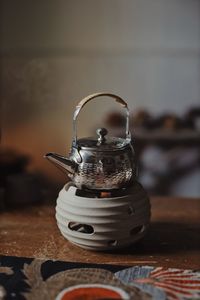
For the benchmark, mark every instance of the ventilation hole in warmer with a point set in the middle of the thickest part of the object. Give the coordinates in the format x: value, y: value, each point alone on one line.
x: 83, y: 228
x: 137, y: 229
x: 112, y: 243
x: 131, y: 211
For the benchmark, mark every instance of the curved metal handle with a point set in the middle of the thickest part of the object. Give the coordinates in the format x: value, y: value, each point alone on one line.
x: 90, y: 97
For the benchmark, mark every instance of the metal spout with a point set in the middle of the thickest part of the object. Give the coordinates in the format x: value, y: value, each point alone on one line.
x: 61, y: 161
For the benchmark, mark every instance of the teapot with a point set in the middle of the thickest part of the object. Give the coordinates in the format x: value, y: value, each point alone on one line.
x: 99, y: 163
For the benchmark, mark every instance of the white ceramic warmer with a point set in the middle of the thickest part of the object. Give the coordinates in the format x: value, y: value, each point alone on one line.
x: 103, y: 223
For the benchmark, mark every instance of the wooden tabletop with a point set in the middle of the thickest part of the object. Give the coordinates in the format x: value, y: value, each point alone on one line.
x: 173, y: 239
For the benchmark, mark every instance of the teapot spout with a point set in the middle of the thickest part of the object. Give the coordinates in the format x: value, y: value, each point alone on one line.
x: 59, y: 160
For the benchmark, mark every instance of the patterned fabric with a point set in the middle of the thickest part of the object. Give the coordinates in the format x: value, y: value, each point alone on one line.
x: 162, y: 283
x: 24, y: 278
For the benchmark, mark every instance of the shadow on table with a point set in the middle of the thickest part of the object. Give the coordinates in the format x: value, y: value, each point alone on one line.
x: 164, y: 237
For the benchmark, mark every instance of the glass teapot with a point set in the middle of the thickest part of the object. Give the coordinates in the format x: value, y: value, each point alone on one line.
x: 99, y: 163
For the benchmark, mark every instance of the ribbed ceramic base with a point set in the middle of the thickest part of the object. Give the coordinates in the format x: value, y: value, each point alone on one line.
x: 103, y: 223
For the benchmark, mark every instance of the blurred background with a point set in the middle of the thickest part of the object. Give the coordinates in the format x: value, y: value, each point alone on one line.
x: 54, y: 53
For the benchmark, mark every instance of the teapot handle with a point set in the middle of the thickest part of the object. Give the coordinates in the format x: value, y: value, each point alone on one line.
x: 92, y: 96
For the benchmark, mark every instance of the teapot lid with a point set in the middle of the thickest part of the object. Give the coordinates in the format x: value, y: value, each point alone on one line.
x: 101, y: 143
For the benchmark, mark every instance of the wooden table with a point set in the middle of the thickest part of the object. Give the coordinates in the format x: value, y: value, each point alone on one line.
x: 173, y: 239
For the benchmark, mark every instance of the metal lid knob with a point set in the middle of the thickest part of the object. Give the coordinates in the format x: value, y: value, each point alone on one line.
x: 101, y: 133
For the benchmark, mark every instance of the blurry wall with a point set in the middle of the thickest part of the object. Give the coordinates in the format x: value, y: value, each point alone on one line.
x: 53, y: 53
